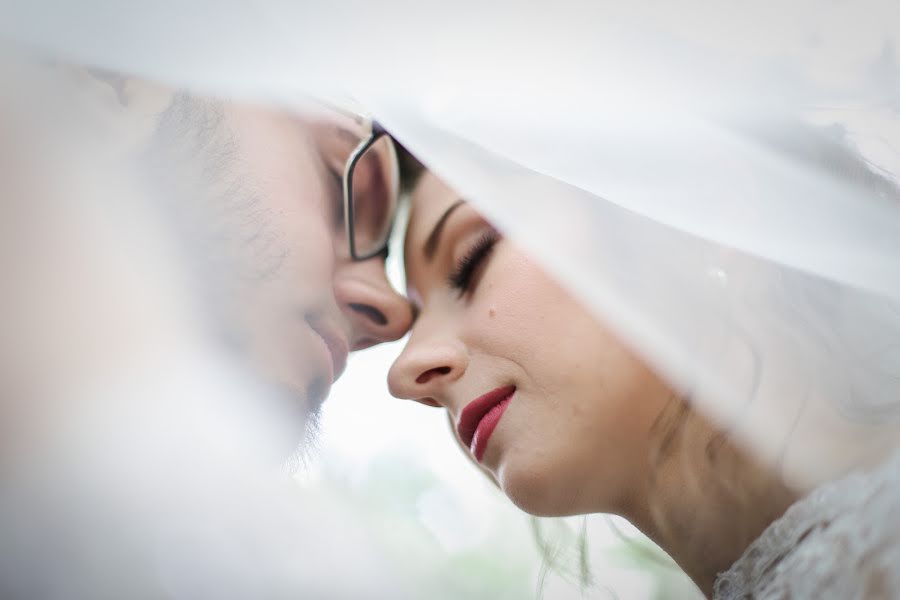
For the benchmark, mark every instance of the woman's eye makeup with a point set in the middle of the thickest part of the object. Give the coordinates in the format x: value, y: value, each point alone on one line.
x: 467, y: 268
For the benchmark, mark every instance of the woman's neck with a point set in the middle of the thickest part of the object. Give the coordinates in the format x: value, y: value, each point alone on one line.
x: 705, y: 501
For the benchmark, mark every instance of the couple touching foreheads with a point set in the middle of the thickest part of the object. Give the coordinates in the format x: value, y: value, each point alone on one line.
x: 285, y: 221
x: 561, y: 414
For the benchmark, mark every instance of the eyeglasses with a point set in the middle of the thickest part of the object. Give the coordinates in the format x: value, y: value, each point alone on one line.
x: 362, y: 156
x: 371, y: 186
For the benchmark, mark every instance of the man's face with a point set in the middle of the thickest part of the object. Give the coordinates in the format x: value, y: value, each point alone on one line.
x: 129, y: 240
x: 298, y: 304
x: 251, y: 199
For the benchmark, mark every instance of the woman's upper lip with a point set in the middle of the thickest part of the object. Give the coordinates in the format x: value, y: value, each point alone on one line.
x: 475, y: 410
x: 337, y: 346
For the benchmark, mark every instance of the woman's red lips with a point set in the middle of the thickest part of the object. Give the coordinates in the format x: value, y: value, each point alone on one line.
x: 479, y: 418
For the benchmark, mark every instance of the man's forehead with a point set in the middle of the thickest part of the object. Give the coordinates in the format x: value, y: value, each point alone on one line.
x: 339, y: 117
x: 335, y: 137
x: 331, y: 125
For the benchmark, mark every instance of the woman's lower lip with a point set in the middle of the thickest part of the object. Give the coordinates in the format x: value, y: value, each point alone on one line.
x: 486, y: 427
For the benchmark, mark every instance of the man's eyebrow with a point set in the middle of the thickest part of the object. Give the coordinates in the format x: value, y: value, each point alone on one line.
x: 346, y: 134
x: 434, y: 237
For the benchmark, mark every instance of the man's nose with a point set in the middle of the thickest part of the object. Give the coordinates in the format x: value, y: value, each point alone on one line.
x: 377, y: 313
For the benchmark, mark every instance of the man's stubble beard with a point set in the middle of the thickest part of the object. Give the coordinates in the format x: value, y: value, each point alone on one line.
x: 223, y: 231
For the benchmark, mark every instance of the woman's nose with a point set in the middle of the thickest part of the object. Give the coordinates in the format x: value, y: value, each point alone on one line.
x: 425, y: 369
x: 377, y: 313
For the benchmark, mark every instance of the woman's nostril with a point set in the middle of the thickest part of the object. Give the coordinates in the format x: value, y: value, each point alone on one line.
x: 372, y: 313
x: 427, y: 375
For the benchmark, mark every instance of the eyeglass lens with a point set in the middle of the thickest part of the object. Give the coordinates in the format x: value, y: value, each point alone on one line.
x: 374, y: 196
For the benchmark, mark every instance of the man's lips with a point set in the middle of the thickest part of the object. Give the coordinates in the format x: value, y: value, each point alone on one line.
x: 337, y: 347
x: 478, y: 419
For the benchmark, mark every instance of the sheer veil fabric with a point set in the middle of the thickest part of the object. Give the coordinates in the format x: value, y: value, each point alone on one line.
x: 719, y: 184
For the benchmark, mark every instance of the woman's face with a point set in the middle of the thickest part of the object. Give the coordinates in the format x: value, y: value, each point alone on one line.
x: 546, y: 399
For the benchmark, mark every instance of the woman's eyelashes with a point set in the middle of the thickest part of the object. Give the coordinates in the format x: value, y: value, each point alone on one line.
x: 463, y: 276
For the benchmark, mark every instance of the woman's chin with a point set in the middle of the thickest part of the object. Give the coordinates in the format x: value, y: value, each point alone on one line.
x: 535, y: 491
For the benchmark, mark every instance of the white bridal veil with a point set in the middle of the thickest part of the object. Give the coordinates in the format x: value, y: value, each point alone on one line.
x: 717, y: 181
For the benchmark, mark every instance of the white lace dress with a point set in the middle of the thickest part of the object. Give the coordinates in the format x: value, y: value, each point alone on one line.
x: 840, y: 541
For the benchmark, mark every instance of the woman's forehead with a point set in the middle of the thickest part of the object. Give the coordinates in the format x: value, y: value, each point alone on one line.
x: 430, y: 199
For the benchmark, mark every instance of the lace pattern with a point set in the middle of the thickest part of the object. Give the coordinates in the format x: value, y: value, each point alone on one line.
x: 840, y: 541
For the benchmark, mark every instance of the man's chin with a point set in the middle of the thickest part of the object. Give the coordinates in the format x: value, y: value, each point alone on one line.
x: 316, y: 393
x: 291, y: 417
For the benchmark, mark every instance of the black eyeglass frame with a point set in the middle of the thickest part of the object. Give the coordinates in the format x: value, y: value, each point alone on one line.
x: 377, y: 132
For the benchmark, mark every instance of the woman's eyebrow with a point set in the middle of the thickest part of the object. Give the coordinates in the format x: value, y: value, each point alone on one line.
x: 435, y: 236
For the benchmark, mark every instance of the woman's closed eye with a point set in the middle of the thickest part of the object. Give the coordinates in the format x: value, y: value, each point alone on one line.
x: 464, y: 275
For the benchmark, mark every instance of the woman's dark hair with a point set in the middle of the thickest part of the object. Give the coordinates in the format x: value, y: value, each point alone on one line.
x: 411, y: 169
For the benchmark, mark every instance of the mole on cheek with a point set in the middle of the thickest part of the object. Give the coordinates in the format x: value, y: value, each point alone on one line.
x: 492, y: 312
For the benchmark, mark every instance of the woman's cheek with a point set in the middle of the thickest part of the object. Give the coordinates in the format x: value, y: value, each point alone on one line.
x: 508, y: 307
